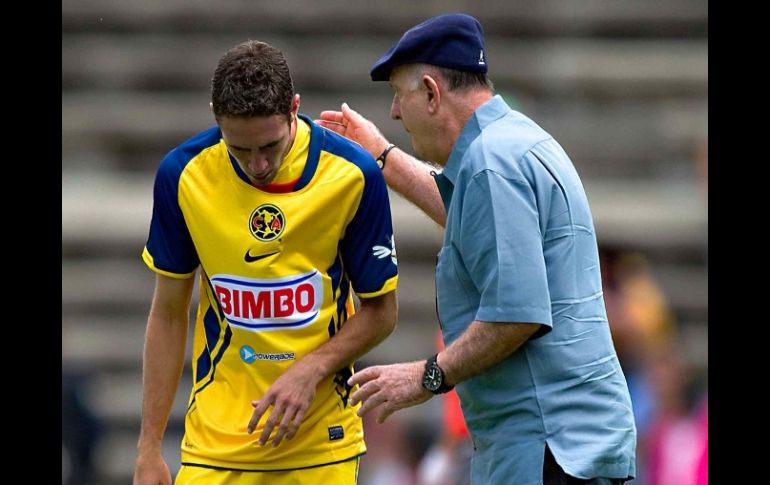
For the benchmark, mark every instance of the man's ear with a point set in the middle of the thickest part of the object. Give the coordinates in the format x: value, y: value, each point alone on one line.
x: 433, y: 92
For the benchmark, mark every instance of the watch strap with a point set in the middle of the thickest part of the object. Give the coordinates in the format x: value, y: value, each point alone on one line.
x: 433, y: 362
x: 381, y: 159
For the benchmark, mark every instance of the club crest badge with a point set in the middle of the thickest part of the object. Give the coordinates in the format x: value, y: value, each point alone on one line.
x: 267, y: 222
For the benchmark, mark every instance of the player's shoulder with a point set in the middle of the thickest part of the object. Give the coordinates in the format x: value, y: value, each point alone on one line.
x: 347, y: 151
x: 177, y: 159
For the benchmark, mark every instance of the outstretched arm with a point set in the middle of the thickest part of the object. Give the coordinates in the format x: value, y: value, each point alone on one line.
x: 164, y: 349
x: 397, y: 386
x: 403, y: 173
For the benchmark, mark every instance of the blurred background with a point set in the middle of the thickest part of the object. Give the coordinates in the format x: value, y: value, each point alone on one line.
x: 623, y: 86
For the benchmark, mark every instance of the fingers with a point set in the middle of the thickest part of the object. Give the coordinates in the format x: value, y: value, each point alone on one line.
x: 348, y: 112
x: 259, y: 409
x: 294, y: 426
x: 369, y: 393
x: 286, y: 423
x: 385, y: 412
x: 333, y: 126
x: 371, y: 401
x: 332, y: 120
x: 331, y: 116
x: 363, y: 376
x: 288, y: 427
x: 364, y: 392
x: 290, y: 419
x: 269, y: 425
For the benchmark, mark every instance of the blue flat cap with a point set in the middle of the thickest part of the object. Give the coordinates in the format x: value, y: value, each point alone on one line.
x: 454, y: 40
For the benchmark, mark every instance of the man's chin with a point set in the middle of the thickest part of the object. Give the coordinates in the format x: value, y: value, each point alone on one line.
x: 262, y: 181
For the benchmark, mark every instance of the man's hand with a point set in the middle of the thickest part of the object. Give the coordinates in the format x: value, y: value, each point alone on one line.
x: 390, y: 387
x: 290, y: 396
x: 352, y: 125
x: 151, y: 469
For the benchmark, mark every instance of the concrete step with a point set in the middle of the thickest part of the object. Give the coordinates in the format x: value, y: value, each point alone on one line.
x: 116, y: 394
x: 104, y: 343
x: 104, y: 283
x: 522, y: 17
x: 106, y: 208
x: 129, y: 283
x: 115, y: 455
x: 553, y: 65
x: 116, y: 343
x: 625, y: 138
x: 117, y: 398
x: 93, y: 336
x: 91, y: 284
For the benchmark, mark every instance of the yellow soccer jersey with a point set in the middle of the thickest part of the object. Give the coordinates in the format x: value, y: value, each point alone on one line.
x: 276, y: 276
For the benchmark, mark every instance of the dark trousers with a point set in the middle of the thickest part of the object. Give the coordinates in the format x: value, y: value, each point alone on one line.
x: 554, y: 475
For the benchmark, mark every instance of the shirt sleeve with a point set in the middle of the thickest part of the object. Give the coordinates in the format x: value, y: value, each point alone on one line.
x: 368, y: 247
x: 169, y: 249
x: 502, y: 247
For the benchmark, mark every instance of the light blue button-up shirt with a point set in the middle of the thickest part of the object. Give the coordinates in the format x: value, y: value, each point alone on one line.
x: 520, y: 246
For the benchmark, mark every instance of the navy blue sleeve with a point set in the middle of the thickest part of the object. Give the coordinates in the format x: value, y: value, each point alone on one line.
x: 368, y: 248
x: 169, y: 245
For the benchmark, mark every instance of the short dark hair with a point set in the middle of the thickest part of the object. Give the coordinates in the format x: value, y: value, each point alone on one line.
x: 252, y: 79
x: 462, y: 80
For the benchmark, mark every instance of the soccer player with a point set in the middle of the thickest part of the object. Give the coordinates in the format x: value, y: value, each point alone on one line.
x: 285, y: 220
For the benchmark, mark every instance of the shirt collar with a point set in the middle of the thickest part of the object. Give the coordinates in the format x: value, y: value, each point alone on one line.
x: 492, y: 110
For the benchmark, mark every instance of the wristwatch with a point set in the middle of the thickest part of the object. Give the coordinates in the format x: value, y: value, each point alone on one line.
x: 434, y: 379
x: 381, y: 159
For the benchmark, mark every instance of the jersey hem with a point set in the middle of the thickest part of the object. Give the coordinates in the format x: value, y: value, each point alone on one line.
x: 150, y: 262
x: 231, y: 469
x: 390, y: 285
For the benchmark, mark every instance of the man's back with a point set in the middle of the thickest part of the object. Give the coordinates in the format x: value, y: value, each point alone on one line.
x: 520, y: 247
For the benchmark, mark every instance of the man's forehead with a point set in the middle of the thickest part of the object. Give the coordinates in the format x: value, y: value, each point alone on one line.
x: 401, y: 75
x: 254, y: 132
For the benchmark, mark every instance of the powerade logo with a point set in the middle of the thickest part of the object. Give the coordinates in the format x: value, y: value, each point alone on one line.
x: 260, y: 305
x: 249, y: 355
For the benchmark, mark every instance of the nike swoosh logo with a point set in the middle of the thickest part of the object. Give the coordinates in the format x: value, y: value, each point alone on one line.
x: 250, y: 259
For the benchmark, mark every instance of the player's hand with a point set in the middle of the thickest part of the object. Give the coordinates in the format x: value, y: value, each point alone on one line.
x: 352, y: 125
x: 151, y: 469
x: 290, y: 397
x: 389, y: 388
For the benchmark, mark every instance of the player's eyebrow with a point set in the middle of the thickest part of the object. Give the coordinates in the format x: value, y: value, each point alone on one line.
x: 268, y: 145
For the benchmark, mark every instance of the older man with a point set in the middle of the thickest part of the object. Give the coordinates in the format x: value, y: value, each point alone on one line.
x: 518, y: 286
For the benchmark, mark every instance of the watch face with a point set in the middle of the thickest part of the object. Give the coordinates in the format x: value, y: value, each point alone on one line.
x: 432, y: 379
